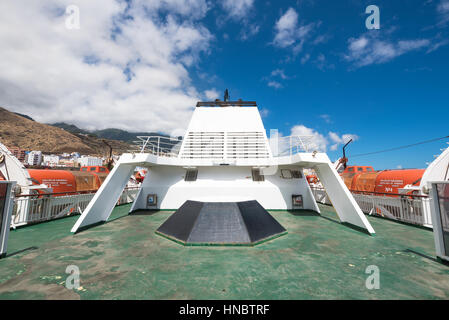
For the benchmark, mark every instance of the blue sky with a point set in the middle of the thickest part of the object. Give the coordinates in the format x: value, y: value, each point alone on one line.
x: 386, y: 103
x: 312, y: 66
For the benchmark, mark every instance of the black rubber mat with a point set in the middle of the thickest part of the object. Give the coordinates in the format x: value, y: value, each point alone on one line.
x: 258, y: 221
x: 180, y: 224
x: 221, y: 223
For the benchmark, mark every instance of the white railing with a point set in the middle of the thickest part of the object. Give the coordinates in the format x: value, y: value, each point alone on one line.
x: 288, y: 146
x: 170, y: 147
x: 39, y: 208
x: 405, y: 208
x: 158, y: 145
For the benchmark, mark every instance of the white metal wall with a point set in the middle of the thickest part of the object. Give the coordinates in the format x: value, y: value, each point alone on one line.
x: 222, y: 184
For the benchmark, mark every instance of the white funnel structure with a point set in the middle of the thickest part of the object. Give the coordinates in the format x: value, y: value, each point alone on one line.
x: 225, y: 156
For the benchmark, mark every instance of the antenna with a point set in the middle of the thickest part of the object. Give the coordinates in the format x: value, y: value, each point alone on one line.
x: 226, y: 95
x: 344, y: 153
x: 110, y: 161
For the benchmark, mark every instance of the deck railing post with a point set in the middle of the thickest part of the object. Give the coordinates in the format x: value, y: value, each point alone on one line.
x: 402, y: 208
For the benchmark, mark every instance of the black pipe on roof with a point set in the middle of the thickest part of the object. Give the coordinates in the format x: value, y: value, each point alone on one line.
x: 219, y: 103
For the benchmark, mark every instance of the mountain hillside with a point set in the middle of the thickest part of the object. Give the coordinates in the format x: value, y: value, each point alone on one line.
x: 19, y: 131
x: 110, y: 133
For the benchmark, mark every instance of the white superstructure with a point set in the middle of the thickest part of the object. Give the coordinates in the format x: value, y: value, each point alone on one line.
x: 225, y: 156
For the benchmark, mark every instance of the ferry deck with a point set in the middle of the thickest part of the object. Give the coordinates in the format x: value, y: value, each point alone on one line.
x: 318, y: 259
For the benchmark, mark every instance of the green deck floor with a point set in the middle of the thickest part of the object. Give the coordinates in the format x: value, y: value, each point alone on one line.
x: 318, y: 259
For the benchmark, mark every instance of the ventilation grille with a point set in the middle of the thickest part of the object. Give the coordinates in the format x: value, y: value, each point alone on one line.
x: 191, y: 175
x: 221, y: 145
x: 199, y: 145
x: 246, y: 145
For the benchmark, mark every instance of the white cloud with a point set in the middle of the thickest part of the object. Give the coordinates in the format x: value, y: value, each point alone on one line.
x: 289, y: 33
x: 337, y: 140
x: 321, y: 61
x: 211, y: 94
x: 249, y: 31
x: 279, y: 72
x: 408, y: 45
x: 358, y: 44
x: 443, y: 11
x: 264, y: 112
x: 195, y: 9
x: 367, y: 50
x: 313, y: 139
x: 274, y: 84
x: 112, y: 72
x: 237, y: 9
x: 321, y: 39
x: 326, y: 118
x: 305, y: 58
x: 286, y: 29
x: 240, y: 11
x: 275, y: 78
x: 437, y: 45
x: 317, y: 141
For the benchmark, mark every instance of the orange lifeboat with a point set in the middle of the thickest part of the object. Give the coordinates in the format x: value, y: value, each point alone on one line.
x: 59, y: 180
x: 387, y: 181
x: 64, y: 181
x: 364, y: 182
x: 390, y: 181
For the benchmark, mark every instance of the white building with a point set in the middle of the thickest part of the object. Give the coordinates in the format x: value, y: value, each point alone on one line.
x: 50, y: 160
x: 75, y: 155
x: 34, y: 158
x: 225, y: 156
x: 90, y: 161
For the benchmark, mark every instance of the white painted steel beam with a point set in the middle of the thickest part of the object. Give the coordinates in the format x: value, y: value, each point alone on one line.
x: 104, y: 201
x: 342, y: 200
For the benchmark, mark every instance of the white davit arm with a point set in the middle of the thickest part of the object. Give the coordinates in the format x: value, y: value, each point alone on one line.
x: 344, y: 203
x: 104, y: 201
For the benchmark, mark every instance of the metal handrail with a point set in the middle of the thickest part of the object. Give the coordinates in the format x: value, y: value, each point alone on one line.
x: 290, y: 145
x: 158, y: 145
x: 374, y: 193
x: 68, y: 193
x: 44, y: 207
x: 168, y: 146
x: 414, y: 209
